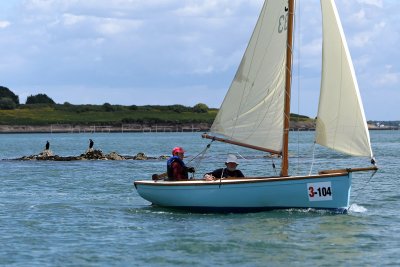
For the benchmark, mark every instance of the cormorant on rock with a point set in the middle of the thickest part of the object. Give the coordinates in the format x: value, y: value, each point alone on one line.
x: 91, y: 143
x: 46, y: 152
x: 90, y: 148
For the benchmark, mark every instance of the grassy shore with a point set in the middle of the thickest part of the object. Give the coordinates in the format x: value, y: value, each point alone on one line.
x: 100, y: 115
x: 115, y: 118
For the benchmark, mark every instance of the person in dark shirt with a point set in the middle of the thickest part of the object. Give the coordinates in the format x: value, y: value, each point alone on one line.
x: 176, y: 168
x: 230, y: 171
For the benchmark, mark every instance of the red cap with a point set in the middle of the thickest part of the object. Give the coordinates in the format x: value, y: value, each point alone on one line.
x: 177, y: 149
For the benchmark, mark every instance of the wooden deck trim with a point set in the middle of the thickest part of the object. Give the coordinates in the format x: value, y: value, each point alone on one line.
x: 373, y: 168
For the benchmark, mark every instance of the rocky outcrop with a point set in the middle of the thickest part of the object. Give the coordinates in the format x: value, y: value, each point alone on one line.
x: 89, y: 155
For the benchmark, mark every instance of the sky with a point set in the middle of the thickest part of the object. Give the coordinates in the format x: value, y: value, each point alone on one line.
x: 164, y: 52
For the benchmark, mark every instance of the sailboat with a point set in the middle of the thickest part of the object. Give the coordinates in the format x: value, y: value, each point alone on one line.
x: 256, y: 114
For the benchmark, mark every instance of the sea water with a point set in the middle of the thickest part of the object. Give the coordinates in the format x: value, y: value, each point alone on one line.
x: 88, y: 213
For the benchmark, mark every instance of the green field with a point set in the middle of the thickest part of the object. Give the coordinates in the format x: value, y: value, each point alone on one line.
x: 107, y: 114
x: 101, y: 115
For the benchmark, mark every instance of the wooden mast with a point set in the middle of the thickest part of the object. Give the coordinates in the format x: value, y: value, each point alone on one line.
x: 286, y: 124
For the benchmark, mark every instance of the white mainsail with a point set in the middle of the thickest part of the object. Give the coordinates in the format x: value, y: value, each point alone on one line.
x: 341, y: 123
x: 252, y: 111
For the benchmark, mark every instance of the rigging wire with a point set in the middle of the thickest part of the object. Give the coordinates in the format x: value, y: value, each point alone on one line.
x: 362, y: 188
x: 313, y: 159
x: 240, y: 156
x: 297, y: 27
x: 298, y: 22
x: 200, y: 156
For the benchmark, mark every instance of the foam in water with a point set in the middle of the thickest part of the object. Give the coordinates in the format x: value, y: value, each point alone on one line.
x: 357, y: 209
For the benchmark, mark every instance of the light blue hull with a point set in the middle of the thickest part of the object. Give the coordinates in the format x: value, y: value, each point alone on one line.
x: 319, y: 192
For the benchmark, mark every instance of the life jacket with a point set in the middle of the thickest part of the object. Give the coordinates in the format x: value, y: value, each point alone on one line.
x: 169, y: 167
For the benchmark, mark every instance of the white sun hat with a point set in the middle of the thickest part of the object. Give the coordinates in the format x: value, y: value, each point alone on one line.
x: 231, y: 159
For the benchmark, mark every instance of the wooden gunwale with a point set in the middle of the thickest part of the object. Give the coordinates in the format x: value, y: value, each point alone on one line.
x: 373, y: 168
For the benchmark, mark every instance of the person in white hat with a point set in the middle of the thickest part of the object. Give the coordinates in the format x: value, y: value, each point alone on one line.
x: 230, y: 171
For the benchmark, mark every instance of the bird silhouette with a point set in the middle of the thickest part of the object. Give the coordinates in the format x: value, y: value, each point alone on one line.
x: 91, y: 143
x: 47, y: 145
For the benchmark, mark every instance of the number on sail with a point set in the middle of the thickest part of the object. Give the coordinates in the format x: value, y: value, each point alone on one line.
x: 283, y: 23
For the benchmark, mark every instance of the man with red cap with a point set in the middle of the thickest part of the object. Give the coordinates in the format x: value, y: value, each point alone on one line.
x: 176, y: 168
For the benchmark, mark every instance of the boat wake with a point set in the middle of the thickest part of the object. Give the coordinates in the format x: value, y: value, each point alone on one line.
x: 357, y: 209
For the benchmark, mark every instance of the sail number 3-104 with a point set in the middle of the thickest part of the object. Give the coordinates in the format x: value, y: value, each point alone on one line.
x: 319, y: 191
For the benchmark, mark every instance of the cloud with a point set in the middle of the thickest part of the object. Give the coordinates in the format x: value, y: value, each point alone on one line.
x: 128, y: 51
x: 377, y: 3
x: 71, y: 20
x: 205, y: 8
x: 359, y: 16
x: 363, y: 38
x: 218, y: 8
x: 390, y: 77
x: 4, y: 24
x: 105, y: 26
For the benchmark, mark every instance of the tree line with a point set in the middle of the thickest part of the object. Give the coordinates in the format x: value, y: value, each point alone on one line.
x: 9, y: 100
x: 44, y: 110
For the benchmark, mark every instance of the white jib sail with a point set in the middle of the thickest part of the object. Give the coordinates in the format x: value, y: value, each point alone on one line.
x: 252, y: 111
x: 341, y: 123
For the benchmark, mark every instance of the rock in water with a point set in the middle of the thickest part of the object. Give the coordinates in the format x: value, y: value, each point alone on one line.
x: 140, y: 156
x: 45, y: 154
x: 94, y: 154
x: 114, y: 156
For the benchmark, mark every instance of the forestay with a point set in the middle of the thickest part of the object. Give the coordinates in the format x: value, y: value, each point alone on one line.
x: 252, y: 111
x: 341, y: 123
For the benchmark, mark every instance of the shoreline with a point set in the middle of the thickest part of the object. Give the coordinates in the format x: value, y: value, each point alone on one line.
x: 81, y: 128
x: 140, y: 128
